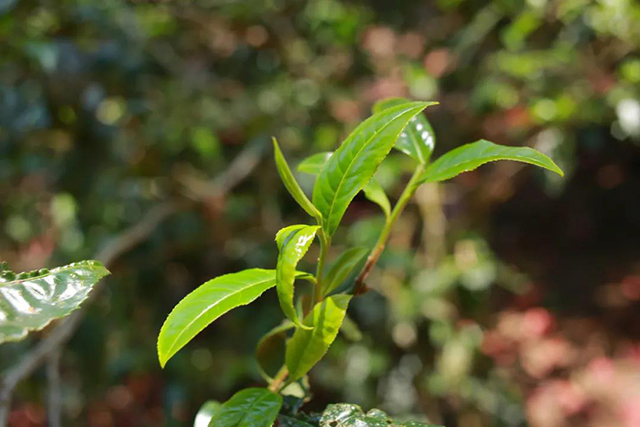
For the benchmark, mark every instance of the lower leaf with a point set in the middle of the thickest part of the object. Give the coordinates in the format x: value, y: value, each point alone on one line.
x: 252, y: 407
x: 307, y: 347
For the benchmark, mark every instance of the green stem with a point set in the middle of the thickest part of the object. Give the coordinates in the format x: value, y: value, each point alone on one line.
x: 325, y: 242
x: 407, y: 194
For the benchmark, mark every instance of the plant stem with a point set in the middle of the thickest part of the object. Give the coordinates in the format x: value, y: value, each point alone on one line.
x: 278, y: 379
x: 408, y: 192
x: 325, y: 242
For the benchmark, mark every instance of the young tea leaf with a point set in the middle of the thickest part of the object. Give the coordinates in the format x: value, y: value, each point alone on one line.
x: 307, y: 347
x: 29, y: 301
x: 251, y: 407
x: 292, y: 185
x: 293, y: 243
x: 314, y: 163
x: 374, y: 192
x: 208, y: 302
x: 470, y: 156
x: 341, y: 268
x: 418, y: 138
x: 355, y: 161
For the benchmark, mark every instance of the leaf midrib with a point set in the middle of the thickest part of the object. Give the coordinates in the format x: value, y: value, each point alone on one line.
x: 333, y: 200
x: 184, y: 329
x: 254, y: 403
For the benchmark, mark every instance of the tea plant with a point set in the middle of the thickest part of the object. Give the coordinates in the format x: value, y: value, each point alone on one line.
x: 312, y: 323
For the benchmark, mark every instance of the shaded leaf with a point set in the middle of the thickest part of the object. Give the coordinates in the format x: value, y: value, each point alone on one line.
x: 292, y: 185
x: 341, y: 268
x: 206, y: 413
x: 270, y: 350
x: 30, y: 301
x: 208, y: 302
x: 355, y: 161
x: 374, y: 192
x: 293, y: 243
x: 307, y: 347
x: 470, y: 156
x: 251, y: 407
x: 418, y: 139
x: 286, y: 421
x: 314, y: 163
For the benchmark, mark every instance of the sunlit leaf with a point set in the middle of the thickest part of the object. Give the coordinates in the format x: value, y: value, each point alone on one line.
x: 374, y: 192
x: 208, y: 302
x: 314, y: 163
x: 418, y: 139
x: 292, y: 185
x: 29, y: 301
x: 470, y: 156
x: 307, y: 347
x: 355, y: 161
x: 293, y: 243
x: 341, y: 268
x: 251, y: 407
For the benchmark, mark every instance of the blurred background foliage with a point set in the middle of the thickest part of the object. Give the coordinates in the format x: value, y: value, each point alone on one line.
x: 507, y: 297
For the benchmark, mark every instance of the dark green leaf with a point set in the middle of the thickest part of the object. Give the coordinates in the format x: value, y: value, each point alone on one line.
x: 252, y: 407
x: 307, y: 347
x: 374, y: 192
x: 418, y: 138
x: 292, y: 185
x: 29, y: 301
x: 470, y: 156
x: 293, y: 243
x: 348, y: 415
x: 270, y: 350
x: 206, y: 413
x: 286, y: 421
x: 341, y: 268
x: 208, y: 302
x: 314, y: 163
x: 355, y: 161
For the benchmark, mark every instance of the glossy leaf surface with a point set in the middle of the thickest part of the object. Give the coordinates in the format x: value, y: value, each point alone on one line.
x: 375, y: 193
x: 293, y: 243
x: 314, y: 163
x: 292, y: 185
x: 208, y: 302
x: 348, y: 415
x: 341, y: 268
x: 252, y: 407
x: 355, y: 161
x: 470, y: 156
x: 418, y: 139
x: 29, y: 301
x: 307, y: 347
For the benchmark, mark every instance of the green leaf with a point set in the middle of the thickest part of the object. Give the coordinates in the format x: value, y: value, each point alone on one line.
x: 348, y: 415
x: 418, y: 138
x: 307, y: 347
x: 270, y: 350
x: 29, y: 301
x: 206, y: 413
x: 251, y: 407
x: 374, y: 192
x: 208, y: 302
x: 293, y: 243
x: 314, y: 163
x: 341, y: 268
x: 286, y: 421
x: 292, y: 185
x: 355, y: 161
x: 470, y: 156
